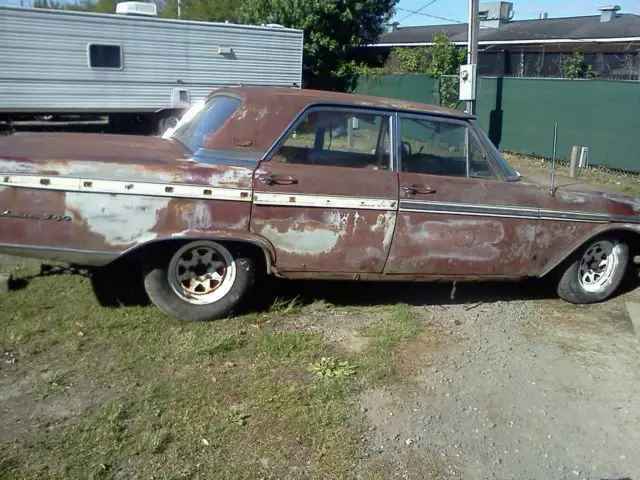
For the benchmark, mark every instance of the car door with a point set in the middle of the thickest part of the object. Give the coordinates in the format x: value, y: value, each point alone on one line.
x: 327, y: 197
x: 458, y: 215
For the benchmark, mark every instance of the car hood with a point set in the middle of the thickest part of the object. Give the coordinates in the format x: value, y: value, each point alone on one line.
x: 579, y: 195
x: 37, y: 147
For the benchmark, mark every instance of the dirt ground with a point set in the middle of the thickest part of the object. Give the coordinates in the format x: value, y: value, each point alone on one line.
x: 526, y: 390
x: 507, y: 383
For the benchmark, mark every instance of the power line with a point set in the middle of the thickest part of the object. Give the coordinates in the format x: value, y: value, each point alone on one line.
x: 430, y: 16
x: 417, y: 11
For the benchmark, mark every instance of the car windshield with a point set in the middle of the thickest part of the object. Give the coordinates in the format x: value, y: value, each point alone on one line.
x: 202, y: 120
x: 507, y: 170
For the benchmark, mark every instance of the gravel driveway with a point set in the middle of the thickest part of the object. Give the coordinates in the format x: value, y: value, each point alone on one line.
x: 514, y: 389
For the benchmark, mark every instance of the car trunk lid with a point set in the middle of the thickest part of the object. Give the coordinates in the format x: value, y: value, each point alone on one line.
x: 43, y: 148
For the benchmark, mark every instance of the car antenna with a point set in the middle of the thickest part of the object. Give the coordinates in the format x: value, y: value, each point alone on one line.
x: 553, y: 161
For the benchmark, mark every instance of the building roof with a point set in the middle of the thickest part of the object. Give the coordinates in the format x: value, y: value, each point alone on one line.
x: 549, y: 30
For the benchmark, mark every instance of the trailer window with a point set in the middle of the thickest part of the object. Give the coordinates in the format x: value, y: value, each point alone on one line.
x: 105, y: 56
x: 206, y: 122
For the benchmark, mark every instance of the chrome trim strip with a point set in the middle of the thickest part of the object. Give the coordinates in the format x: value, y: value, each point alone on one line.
x: 327, y: 201
x: 465, y: 208
x: 68, y: 255
x: 511, y: 211
x: 88, y: 185
x: 227, y: 157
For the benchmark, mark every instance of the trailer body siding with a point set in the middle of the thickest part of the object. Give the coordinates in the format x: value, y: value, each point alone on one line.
x: 44, y: 60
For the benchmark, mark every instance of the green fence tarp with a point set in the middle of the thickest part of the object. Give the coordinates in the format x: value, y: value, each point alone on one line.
x: 520, y: 113
x: 406, y: 86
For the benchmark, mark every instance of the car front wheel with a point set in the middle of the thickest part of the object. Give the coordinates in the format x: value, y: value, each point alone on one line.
x: 595, y: 272
x: 200, y: 281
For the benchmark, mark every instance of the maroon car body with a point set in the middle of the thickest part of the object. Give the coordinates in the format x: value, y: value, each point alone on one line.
x: 315, y: 184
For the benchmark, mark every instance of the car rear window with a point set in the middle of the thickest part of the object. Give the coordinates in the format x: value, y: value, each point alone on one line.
x: 207, y: 121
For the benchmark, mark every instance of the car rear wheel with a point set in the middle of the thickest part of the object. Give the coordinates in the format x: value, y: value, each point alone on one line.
x: 200, y: 281
x: 595, y: 272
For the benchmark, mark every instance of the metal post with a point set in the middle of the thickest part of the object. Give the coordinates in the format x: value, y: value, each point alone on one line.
x: 472, y: 54
x: 553, y: 160
x: 179, y: 9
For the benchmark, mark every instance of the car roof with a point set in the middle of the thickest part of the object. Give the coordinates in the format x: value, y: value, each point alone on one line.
x: 302, y: 96
x: 267, y: 112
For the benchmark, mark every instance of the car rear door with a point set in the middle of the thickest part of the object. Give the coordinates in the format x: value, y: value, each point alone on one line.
x: 458, y: 216
x: 326, y: 197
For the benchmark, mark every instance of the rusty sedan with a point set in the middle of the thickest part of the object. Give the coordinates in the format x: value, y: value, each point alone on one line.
x: 305, y: 184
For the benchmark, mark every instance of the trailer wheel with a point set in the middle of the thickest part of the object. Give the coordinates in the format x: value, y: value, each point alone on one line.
x: 166, y: 120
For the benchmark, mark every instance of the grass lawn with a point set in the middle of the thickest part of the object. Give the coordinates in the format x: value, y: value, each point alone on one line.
x: 92, y: 392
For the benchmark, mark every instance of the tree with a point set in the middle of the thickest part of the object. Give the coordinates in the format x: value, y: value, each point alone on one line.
x: 333, y: 29
x: 575, y: 67
x: 441, y: 60
x: 50, y: 4
x: 204, y: 10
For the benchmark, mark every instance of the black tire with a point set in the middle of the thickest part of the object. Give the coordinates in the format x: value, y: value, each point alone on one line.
x: 157, y: 270
x: 574, y: 290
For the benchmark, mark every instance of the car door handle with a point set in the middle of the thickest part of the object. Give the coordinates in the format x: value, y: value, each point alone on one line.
x: 278, y: 179
x: 415, y: 189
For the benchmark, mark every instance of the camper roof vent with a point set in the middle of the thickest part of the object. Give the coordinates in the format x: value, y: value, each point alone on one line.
x: 495, y: 14
x: 608, y: 12
x: 137, y: 8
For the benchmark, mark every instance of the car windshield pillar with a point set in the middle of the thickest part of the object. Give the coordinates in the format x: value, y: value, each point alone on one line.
x: 508, y: 172
x: 203, y: 120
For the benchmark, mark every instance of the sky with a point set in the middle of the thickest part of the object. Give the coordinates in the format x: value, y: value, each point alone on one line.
x: 458, y: 9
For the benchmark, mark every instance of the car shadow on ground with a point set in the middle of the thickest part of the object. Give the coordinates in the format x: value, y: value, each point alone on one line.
x: 345, y: 293
x: 18, y: 283
x: 111, y: 291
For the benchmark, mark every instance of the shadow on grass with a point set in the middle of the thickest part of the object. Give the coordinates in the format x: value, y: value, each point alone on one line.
x: 121, y: 285
x: 344, y: 293
x: 19, y: 283
x: 116, y: 285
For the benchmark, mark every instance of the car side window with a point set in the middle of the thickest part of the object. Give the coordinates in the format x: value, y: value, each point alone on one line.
x: 339, y: 139
x: 436, y: 147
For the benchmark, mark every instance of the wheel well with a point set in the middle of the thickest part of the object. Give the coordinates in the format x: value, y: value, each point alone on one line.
x: 137, y: 254
x: 630, y: 237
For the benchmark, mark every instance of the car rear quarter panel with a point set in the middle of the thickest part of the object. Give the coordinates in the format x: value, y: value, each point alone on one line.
x: 103, y: 215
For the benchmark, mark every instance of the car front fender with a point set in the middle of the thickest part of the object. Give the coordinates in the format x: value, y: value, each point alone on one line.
x: 624, y: 229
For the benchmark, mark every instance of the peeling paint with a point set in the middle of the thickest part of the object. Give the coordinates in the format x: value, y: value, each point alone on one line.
x: 200, y: 217
x: 573, y: 198
x: 119, y: 222
x: 300, y: 241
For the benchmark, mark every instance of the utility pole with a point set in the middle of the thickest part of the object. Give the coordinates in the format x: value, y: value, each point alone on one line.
x: 472, y: 47
x: 179, y: 9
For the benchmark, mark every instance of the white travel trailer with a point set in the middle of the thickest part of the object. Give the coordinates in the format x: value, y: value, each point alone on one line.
x: 133, y: 64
